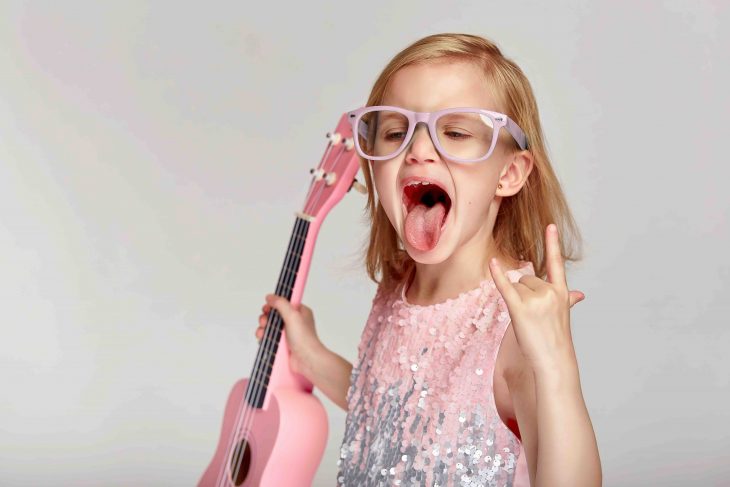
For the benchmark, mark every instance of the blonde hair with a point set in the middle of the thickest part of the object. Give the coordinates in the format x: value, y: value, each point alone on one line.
x: 519, y: 229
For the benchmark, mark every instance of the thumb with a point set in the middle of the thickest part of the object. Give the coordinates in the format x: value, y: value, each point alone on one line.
x: 576, y: 297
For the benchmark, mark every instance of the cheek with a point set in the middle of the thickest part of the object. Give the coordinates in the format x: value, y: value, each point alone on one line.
x: 384, y: 178
x: 474, y: 193
x: 385, y: 181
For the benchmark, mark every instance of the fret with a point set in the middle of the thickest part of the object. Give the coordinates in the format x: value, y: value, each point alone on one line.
x: 257, y: 380
x: 269, y: 357
x: 262, y: 379
x: 293, y: 269
x: 288, y: 288
x: 293, y: 257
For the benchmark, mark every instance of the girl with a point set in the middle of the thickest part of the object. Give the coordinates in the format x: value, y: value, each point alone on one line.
x: 445, y: 391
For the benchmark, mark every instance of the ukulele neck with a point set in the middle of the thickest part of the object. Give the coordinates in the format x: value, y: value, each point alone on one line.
x: 259, y: 379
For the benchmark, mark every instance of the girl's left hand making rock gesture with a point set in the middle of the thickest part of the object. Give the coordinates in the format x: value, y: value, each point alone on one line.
x: 540, y: 310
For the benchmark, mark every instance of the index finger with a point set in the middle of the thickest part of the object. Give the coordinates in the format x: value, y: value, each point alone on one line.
x: 554, y: 264
x: 504, y: 285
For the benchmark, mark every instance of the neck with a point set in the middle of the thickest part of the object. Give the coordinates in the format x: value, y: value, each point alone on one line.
x: 463, y: 271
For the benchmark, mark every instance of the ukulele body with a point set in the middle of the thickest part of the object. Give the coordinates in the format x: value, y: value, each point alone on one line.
x: 286, y: 440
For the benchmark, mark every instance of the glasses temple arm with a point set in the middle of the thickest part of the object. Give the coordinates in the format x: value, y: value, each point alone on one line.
x: 517, y: 133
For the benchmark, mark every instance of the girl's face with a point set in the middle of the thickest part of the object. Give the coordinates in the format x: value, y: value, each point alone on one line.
x: 473, y: 207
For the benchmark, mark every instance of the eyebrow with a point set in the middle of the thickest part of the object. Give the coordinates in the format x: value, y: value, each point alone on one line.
x: 391, y: 115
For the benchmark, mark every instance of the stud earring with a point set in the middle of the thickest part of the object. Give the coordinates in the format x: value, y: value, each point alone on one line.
x: 500, y: 186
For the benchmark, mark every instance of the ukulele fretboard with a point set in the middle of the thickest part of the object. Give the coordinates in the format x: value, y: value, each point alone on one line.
x: 259, y: 378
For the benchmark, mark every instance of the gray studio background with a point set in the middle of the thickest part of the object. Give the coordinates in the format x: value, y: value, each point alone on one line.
x: 152, y: 156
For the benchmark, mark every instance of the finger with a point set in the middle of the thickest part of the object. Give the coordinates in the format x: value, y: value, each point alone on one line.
x: 555, y: 264
x: 533, y: 283
x: 280, y: 304
x: 504, y: 285
x: 576, y: 297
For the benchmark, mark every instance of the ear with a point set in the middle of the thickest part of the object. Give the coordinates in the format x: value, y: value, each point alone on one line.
x: 515, y: 173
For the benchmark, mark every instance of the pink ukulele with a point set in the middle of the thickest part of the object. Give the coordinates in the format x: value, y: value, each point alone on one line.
x: 274, y: 430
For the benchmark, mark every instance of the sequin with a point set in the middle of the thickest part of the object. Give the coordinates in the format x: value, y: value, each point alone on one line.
x: 421, y: 409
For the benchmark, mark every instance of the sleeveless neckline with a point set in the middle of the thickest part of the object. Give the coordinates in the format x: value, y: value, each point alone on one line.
x: 464, y: 294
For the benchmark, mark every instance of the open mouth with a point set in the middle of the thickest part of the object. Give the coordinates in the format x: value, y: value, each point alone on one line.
x: 426, y: 194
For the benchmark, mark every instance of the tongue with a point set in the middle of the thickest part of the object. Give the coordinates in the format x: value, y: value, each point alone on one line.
x: 423, y: 225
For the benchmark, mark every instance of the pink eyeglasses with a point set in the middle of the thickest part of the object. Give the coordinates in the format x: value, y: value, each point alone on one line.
x: 461, y: 134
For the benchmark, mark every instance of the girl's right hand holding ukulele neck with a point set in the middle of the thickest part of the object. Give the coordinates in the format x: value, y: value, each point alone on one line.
x: 309, y: 357
x: 301, y: 336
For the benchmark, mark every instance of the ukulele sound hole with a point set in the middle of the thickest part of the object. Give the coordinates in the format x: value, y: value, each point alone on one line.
x: 240, y: 462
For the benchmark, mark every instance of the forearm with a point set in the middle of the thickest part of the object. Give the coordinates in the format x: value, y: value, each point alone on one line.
x: 330, y: 373
x: 566, y: 444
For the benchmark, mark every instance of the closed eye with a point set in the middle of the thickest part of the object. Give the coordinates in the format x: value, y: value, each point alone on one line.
x: 456, y: 135
x: 395, y: 136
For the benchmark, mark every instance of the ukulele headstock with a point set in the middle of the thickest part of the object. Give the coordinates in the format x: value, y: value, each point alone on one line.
x: 335, y: 174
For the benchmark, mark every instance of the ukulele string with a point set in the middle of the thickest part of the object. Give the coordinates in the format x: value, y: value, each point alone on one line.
x: 270, y: 344
x: 244, y: 423
x: 245, y: 410
x: 267, y: 349
x: 247, y: 420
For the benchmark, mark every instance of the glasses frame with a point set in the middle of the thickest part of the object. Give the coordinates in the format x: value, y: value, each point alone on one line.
x: 499, y: 120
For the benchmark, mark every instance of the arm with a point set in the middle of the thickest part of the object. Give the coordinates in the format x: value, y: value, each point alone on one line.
x: 323, y: 368
x: 557, y: 434
x: 329, y: 372
x: 544, y: 385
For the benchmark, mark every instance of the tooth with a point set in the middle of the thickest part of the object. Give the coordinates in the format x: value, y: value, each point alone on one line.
x: 416, y: 183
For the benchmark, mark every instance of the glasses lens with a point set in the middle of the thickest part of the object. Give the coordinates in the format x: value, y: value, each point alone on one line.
x: 466, y: 135
x: 382, y: 132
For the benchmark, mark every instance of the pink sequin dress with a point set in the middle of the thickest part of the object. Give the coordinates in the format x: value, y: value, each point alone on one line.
x: 421, y: 409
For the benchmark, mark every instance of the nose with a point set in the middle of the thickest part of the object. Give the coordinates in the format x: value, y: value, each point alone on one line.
x: 421, y: 147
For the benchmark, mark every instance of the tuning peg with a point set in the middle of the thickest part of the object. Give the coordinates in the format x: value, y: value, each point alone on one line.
x: 317, y: 173
x: 358, y: 186
x: 334, y: 138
